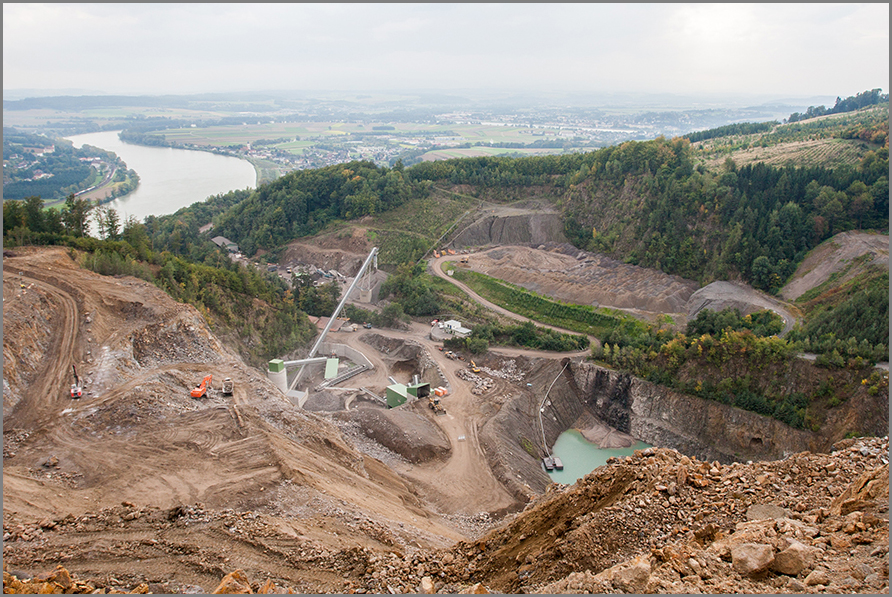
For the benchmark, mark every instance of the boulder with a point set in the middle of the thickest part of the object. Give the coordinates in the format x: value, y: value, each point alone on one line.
x: 427, y: 585
x: 234, y: 583
x: 794, y: 559
x: 765, y: 511
x: 751, y: 558
x: 817, y: 577
x: 632, y: 578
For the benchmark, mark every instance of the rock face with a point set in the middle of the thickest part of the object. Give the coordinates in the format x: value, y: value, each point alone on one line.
x: 702, y: 428
x: 513, y: 230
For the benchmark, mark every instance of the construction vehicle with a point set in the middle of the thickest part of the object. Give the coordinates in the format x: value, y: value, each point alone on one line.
x: 464, y: 259
x: 434, y: 403
x: 451, y: 251
x: 436, y: 254
x: 201, y: 390
x: 76, y: 390
x: 227, y: 386
x: 474, y: 367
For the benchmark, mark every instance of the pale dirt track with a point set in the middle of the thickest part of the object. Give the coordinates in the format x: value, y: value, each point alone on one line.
x: 464, y: 483
x: 436, y: 266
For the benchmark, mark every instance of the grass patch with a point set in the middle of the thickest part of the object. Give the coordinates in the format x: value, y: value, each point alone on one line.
x: 582, y: 319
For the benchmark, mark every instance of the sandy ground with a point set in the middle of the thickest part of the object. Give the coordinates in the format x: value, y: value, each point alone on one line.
x: 834, y: 256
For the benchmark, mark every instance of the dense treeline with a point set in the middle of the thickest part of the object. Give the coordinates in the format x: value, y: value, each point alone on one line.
x: 850, y: 104
x: 742, y: 128
x: 849, y: 321
x: 303, y: 202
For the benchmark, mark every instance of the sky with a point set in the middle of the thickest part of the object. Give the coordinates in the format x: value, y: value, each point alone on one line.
x: 777, y: 50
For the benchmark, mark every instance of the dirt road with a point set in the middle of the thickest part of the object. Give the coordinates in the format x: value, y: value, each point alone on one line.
x: 464, y: 483
x: 436, y: 266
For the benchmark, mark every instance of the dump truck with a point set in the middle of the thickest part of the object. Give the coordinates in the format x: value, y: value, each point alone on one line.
x: 227, y: 386
x: 201, y: 390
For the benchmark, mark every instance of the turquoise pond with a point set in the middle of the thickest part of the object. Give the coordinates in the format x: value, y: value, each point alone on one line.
x: 580, y: 457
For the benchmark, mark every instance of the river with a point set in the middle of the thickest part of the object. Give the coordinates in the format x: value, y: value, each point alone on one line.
x: 170, y: 178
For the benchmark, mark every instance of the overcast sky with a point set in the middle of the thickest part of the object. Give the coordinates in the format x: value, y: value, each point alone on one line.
x: 765, y: 49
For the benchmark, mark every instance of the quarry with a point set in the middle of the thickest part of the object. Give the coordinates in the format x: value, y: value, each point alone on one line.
x: 337, y: 488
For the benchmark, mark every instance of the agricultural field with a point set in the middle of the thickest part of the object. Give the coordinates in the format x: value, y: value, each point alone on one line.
x: 830, y: 141
x: 818, y: 152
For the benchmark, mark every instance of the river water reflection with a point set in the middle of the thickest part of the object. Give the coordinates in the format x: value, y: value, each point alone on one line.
x: 580, y: 456
x: 170, y: 178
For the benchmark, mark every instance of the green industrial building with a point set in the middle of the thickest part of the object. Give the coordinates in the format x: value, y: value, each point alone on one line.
x: 399, y: 393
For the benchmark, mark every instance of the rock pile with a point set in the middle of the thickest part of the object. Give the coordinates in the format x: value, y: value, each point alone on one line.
x: 481, y: 384
x: 660, y: 522
x: 508, y: 371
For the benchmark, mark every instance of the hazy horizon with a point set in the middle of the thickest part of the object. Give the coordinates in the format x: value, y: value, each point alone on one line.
x: 692, y: 50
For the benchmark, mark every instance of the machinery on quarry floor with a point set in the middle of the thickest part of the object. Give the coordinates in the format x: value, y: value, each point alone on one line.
x: 227, y: 386
x: 201, y: 390
x: 76, y: 390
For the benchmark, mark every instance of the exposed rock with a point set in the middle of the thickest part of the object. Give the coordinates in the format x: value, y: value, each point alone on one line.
x: 631, y: 578
x: 751, y: 558
x: 765, y: 511
x: 794, y: 559
x: 817, y: 577
x: 234, y: 583
x: 427, y: 585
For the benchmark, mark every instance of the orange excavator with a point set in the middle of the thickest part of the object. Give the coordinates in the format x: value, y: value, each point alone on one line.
x: 201, y: 390
x: 76, y: 390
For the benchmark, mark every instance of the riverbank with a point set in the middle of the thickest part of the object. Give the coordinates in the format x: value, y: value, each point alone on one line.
x: 170, y: 178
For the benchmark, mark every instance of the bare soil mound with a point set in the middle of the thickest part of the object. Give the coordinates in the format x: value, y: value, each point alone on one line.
x: 660, y: 522
x: 407, y: 433
x: 344, y: 251
x: 736, y: 295
x: 561, y: 271
x: 844, y: 256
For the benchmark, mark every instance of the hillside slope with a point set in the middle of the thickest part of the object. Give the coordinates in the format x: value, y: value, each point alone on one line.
x: 842, y: 257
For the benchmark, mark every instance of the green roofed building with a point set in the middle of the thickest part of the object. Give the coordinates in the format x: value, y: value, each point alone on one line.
x: 399, y: 393
x: 396, y: 394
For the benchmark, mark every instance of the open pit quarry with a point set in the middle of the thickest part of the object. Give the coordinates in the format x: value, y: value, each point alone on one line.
x: 137, y: 487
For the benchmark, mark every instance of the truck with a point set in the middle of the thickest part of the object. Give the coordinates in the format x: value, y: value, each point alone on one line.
x: 227, y: 386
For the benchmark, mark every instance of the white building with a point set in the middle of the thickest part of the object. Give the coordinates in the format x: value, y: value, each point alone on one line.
x: 455, y: 327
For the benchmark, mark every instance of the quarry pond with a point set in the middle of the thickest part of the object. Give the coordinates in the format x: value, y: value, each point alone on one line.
x: 170, y: 178
x: 580, y: 456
